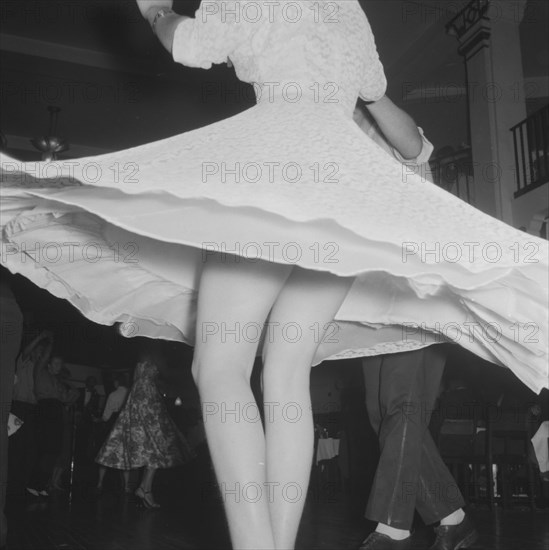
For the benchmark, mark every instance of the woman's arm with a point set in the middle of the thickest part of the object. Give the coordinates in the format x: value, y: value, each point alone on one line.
x: 165, y: 26
x: 42, y: 361
x: 109, y: 409
x: 28, y: 349
x: 397, y: 126
x: 26, y: 352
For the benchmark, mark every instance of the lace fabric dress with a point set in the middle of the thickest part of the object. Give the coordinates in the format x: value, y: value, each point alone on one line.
x: 144, y: 433
x: 292, y: 180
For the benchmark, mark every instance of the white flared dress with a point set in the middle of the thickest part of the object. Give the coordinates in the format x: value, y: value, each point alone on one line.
x: 291, y: 180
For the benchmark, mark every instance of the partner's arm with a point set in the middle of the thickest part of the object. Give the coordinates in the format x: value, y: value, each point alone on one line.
x: 28, y: 349
x: 397, y: 126
x: 42, y: 361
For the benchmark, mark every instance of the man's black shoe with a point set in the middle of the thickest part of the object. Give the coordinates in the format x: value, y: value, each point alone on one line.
x: 378, y: 541
x: 453, y: 537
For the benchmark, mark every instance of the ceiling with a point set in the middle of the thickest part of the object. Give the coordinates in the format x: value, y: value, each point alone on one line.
x: 117, y: 87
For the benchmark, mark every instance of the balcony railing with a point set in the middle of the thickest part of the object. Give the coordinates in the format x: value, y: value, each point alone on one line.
x: 531, y: 142
x: 473, y: 12
x: 453, y: 171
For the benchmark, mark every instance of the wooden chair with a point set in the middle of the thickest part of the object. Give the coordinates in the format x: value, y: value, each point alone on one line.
x: 509, y: 432
x: 462, y: 444
x: 326, y: 479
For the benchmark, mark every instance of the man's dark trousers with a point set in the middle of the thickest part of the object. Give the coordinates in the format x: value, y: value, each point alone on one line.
x: 401, y: 391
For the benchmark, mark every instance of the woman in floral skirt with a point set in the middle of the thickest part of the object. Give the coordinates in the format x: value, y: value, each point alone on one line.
x: 144, y: 435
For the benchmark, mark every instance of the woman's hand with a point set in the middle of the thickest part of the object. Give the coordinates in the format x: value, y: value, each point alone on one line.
x: 149, y: 8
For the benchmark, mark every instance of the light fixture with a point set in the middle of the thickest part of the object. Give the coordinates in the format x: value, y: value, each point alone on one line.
x: 51, y: 145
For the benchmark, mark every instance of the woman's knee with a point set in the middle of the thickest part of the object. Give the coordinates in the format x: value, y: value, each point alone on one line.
x: 284, y: 366
x: 215, y: 368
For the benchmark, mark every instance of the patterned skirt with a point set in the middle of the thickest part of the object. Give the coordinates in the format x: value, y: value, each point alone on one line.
x: 144, y: 434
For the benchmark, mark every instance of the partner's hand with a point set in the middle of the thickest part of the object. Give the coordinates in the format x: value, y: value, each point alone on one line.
x: 149, y: 8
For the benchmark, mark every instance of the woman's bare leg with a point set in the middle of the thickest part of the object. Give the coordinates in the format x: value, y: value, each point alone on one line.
x: 126, y: 480
x: 301, y: 317
x: 55, y: 481
x: 235, y: 298
x: 101, y: 478
x: 146, y: 485
x: 147, y: 480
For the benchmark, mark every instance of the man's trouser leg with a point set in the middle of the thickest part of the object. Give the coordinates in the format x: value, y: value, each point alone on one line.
x: 401, y: 390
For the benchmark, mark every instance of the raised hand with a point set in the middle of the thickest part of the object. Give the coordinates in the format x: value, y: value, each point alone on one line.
x: 149, y: 8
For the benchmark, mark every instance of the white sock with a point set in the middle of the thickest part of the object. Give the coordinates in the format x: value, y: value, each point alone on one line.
x: 395, y: 534
x: 455, y: 518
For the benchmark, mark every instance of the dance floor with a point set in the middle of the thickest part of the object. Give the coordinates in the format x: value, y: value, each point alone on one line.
x: 188, y: 521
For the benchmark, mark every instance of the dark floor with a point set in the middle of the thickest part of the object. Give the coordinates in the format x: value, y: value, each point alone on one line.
x: 113, y: 522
